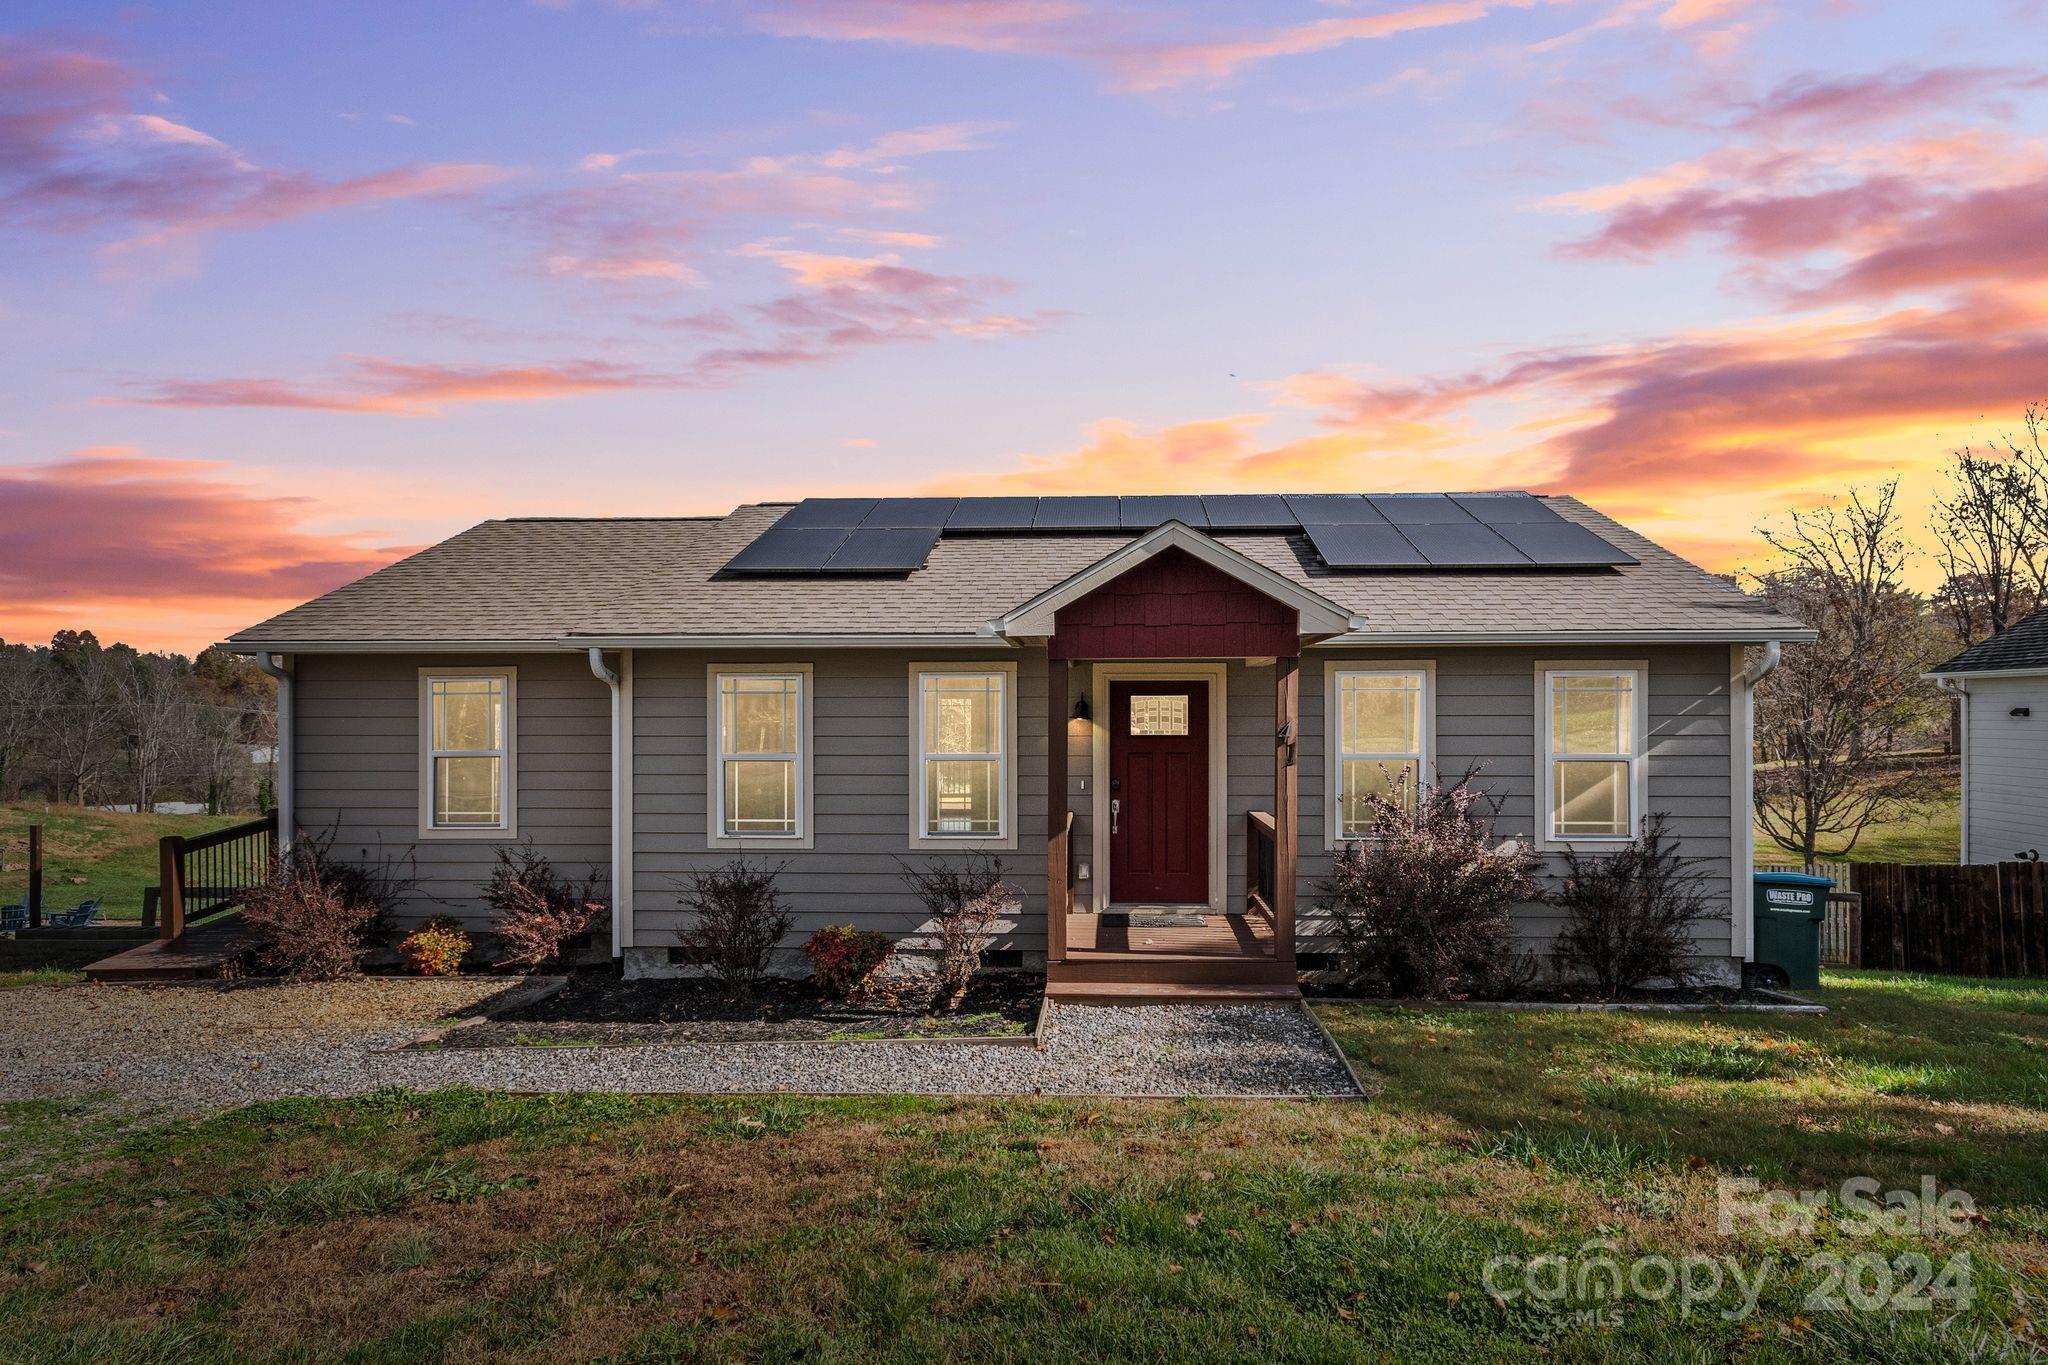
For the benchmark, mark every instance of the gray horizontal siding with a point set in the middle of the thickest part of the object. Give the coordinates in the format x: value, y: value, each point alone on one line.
x: 356, y: 750
x: 2003, y: 759
x: 1486, y: 719
x: 861, y: 807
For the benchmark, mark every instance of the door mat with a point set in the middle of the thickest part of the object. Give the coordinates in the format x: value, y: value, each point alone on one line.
x: 1162, y: 920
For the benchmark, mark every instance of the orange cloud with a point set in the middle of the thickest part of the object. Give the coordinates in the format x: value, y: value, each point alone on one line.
x: 158, y: 552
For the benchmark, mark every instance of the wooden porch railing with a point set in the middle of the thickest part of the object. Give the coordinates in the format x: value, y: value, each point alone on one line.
x: 209, y: 873
x: 1059, y: 893
x: 1261, y: 861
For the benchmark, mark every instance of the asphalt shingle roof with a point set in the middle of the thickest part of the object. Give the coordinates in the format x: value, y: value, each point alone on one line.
x: 2023, y: 646
x: 547, y: 578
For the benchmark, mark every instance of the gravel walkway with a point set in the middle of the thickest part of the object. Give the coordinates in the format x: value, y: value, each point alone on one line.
x: 201, y: 1047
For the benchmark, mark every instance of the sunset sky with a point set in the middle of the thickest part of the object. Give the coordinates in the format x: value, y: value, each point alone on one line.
x: 293, y: 288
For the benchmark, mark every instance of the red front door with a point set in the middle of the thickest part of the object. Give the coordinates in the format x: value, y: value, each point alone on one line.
x: 1159, y: 792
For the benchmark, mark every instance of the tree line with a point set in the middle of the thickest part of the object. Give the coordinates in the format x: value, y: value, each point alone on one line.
x: 1835, y: 718
x: 87, y: 724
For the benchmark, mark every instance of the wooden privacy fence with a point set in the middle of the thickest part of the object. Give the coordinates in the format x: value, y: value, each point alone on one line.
x: 209, y: 873
x: 1976, y: 919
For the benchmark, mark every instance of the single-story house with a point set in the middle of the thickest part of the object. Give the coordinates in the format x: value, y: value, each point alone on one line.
x: 2001, y: 689
x: 1168, y: 704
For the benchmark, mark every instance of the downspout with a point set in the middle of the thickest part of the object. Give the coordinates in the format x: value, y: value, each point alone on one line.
x: 279, y: 667
x: 1960, y: 690
x: 1774, y: 653
x: 611, y: 679
x: 1745, y: 838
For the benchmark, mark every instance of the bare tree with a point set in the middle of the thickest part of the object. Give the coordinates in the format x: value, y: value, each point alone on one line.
x: 1991, y: 533
x: 27, y: 691
x: 78, y: 729
x: 1831, y: 716
x: 153, y: 708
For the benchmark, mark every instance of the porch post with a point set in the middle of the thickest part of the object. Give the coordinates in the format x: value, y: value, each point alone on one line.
x: 1058, y: 835
x: 1286, y: 820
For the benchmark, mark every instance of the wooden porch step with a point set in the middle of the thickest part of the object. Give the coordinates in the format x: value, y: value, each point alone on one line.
x: 1169, y: 993
x: 202, y: 953
x: 1170, y: 968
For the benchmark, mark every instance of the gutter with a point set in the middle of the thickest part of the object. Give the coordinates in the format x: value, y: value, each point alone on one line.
x: 279, y: 666
x: 611, y: 679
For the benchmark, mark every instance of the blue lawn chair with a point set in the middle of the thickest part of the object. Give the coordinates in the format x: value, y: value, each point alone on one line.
x: 13, y: 918
x: 80, y: 916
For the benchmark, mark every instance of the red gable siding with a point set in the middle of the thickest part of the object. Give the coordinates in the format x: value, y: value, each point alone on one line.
x: 1173, y: 606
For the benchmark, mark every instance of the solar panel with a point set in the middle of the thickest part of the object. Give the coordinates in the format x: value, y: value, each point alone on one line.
x: 789, y: 549
x: 884, y: 549
x: 845, y: 512
x: 1144, y: 513
x: 1419, y: 509
x: 1077, y: 514
x: 1338, y: 509
x: 1360, y: 545
x: 910, y: 512
x: 1561, y: 544
x: 1249, y: 512
x: 992, y: 514
x: 1498, y: 509
x: 1462, y: 547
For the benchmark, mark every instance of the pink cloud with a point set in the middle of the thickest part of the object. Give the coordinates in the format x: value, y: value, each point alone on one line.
x: 1813, y: 104
x: 839, y: 304
x: 974, y: 25
x: 373, y: 384
x: 75, y: 158
x: 1125, y: 44
x: 109, y: 530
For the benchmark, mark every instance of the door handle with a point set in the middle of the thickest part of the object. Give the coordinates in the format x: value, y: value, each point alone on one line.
x: 1115, y: 808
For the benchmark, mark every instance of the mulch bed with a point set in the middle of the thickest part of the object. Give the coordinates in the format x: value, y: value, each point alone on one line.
x: 598, y: 1009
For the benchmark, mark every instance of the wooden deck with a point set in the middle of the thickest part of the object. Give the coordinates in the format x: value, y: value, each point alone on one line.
x: 1226, y: 959
x: 1217, y: 936
x: 203, y: 952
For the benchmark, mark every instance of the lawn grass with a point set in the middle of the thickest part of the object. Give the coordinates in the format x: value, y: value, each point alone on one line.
x: 89, y: 853
x: 1929, y: 831
x: 467, y: 1225
x: 39, y: 976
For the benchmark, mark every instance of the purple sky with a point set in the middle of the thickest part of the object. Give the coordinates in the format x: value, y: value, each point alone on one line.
x: 294, y: 287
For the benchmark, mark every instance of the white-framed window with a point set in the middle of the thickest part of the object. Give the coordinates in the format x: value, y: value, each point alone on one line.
x: 963, y: 745
x: 760, y: 746
x: 468, y: 731
x: 1592, y: 731
x: 1380, y: 723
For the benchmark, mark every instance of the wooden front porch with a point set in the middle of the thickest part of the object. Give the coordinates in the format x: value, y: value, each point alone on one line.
x: 1135, y: 954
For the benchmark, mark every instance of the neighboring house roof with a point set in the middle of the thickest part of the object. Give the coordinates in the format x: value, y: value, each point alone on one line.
x: 2022, y: 649
x: 623, y: 581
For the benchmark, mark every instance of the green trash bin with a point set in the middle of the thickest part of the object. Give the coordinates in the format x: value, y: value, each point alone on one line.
x: 1789, y: 908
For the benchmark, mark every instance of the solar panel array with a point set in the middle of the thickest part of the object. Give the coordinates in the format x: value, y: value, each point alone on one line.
x: 1351, y: 531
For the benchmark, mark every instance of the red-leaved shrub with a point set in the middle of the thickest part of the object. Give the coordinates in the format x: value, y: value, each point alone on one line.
x: 844, y: 959
x: 306, y: 925
x: 539, y: 910
x: 1422, y: 907
x: 436, y: 948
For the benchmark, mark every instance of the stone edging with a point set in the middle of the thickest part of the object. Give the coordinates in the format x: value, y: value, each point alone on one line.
x: 531, y: 991
x: 507, y: 1003
x: 1357, y: 1081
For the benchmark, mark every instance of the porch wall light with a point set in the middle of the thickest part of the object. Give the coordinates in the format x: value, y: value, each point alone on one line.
x: 1082, y: 711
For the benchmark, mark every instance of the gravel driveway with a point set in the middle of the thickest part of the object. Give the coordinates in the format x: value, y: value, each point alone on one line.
x: 202, y: 1046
